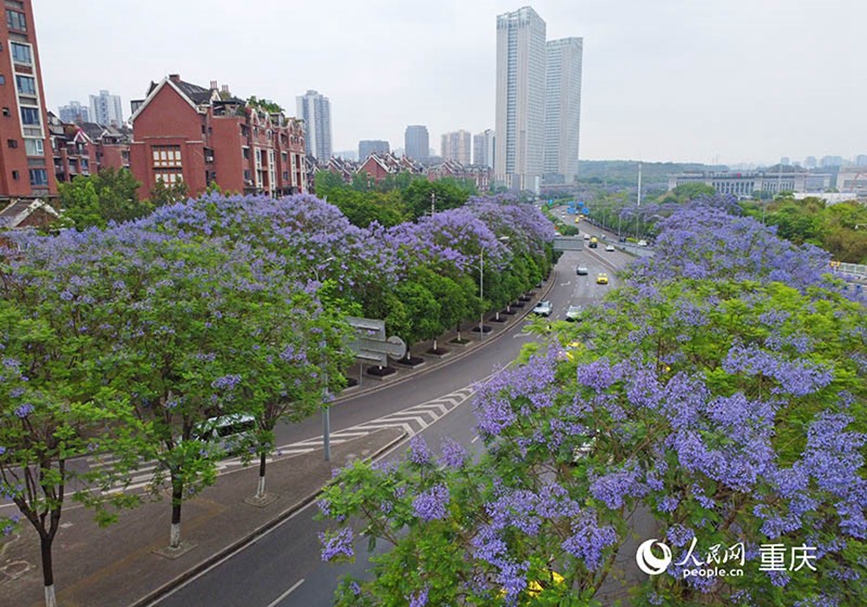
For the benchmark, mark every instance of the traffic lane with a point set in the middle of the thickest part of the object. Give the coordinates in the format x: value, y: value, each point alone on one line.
x: 319, y: 585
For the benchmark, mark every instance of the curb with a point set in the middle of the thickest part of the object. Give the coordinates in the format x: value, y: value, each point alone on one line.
x: 156, y: 595
x: 458, y: 355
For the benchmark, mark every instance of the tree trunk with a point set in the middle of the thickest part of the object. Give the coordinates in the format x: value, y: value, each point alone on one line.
x: 177, y: 499
x: 47, y: 570
x: 260, y: 489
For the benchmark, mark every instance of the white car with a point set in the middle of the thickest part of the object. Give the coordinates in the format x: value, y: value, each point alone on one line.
x: 586, y: 236
x: 543, y: 308
x: 573, y: 313
x: 609, y: 248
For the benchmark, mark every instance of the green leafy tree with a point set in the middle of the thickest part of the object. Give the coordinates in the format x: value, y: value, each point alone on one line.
x: 95, y: 200
x: 52, y: 411
x: 163, y: 194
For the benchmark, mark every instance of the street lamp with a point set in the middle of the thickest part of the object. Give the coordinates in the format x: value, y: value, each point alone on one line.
x: 326, y: 411
x: 482, y: 287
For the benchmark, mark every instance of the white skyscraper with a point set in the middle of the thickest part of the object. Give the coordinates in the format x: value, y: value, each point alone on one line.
x: 457, y: 146
x: 520, y: 120
x: 106, y: 109
x: 315, y: 110
x: 563, y: 109
x: 483, y: 148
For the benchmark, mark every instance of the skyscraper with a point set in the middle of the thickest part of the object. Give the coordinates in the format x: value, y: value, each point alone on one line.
x: 315, y: 110
x: 26, y: 163
x: 457, y: 146
x: 483, y: 148
x: 366, y: 147
x: 563, y: 109
x: 74, y: 112
x: 416, y: 142
x: 106, y: 109
x: 520, y: 118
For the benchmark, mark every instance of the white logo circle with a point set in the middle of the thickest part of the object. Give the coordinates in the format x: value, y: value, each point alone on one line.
x: 648, y: 562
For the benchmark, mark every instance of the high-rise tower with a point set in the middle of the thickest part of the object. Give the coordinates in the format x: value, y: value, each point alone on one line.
x: 520, y: 118
x: 315, y: 110
x: 416, y: 142
x: 563, y: 109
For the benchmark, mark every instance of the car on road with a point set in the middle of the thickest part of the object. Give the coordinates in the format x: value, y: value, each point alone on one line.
x: 582, y: 271
x: 609, y: 248
x: 602, y: 278
x: 586, y: 236
x: 543, y: 308
x: 573, y: 313
x: 642, y: 243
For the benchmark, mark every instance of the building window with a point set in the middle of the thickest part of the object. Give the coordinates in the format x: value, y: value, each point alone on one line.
x: 38, y: 177
x: 21, y: 53
x: 26, y: 85
x: 15, y: 175
x: 12, y: 143
x: 169, y: 176
x: 2, y: 79
x: 167, y: 156
x: 16, y: 21
x: 30, y: 116
x: 34, y: 147
x: 246, y: 153
x: 6, y: 111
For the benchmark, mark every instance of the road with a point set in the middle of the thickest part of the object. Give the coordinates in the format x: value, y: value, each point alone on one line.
x: 283, y: 568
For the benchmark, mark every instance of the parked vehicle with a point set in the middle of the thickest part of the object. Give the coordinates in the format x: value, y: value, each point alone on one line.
x: 228, y: 433
x: 642, y: 243
x: 543, y: 308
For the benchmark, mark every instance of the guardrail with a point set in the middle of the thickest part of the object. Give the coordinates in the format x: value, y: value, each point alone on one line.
x: 849, y: 268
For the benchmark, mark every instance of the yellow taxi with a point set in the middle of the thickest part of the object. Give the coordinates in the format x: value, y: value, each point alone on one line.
x: 602, y: 278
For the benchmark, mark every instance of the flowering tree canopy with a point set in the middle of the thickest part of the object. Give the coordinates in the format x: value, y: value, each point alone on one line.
x: 719, y: 394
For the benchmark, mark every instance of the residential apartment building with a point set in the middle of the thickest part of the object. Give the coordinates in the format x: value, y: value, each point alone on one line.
x: 483, y: 148
x: 25, y: 146
x: 315, y: 110
x: 562, y: 110
x: 86, y: 147
x: 416, y: 142
x: 520, y: 104
x: 106, y: 108
x: 74, y: 112
x: 366, y: 147
x: 457, y: 146
x: 183, y: 132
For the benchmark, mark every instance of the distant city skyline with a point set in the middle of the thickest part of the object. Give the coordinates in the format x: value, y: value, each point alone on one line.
x: 656, y: 82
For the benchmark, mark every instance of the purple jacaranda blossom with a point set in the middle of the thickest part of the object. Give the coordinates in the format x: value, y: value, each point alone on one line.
x: 419, y: 453
x: 589, y: 541
x: 431, y: 504
x: 337, y: 545
x: 418, y: 599
x: 453, y: 453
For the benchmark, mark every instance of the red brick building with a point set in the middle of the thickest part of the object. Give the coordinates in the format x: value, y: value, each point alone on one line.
x: 478, y: 174
x: 26, y: 167
x: 184, y: 132
x: 380, y: 165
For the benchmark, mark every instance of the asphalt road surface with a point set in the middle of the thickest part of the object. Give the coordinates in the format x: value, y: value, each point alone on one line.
x: 283, y: 568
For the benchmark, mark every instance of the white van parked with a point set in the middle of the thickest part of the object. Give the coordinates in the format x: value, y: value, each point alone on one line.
x: 229, y: 433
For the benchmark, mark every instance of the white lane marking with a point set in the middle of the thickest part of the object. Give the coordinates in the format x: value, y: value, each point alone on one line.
x: 474, y: 440
x: 287, y: 593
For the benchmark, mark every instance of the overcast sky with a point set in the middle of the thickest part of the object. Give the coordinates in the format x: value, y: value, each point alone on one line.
x: 683, y: 80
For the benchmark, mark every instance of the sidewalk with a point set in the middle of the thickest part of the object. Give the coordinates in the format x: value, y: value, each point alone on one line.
x: 118, y: 566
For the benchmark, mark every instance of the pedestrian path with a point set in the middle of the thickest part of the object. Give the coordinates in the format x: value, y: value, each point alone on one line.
x: 411, y: 420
